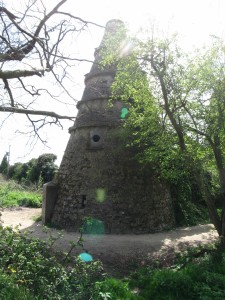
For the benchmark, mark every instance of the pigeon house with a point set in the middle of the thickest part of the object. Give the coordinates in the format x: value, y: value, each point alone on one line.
x: 99, y: 186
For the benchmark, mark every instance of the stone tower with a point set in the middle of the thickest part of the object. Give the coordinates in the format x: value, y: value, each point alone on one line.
x: 98, y: 182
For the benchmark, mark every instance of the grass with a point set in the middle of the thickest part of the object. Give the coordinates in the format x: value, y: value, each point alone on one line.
x: 199, y: 274
x: 37, y: 218
x: 12, y: 194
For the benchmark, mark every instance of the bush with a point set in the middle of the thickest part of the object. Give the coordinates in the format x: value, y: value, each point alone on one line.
x: 16, y: 196
x: 34, y: 201
x: 197, y: 278
x: 4, y: 164
x: 30, y: 265
x: 167, y: 284
x: 112, y: 288
x: 9, y: 289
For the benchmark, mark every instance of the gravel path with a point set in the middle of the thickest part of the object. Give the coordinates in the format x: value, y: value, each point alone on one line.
x: 117, y: 252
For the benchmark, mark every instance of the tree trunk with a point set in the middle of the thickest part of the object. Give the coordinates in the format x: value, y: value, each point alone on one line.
x: 221, y: 171
x: 176, y: 125
x: 213, y: 214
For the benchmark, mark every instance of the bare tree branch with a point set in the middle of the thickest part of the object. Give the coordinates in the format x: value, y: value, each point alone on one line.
x: 19, y: 54
x: 9, y: 91
x: 209, y: 139
x: 35, y: 112
x: 36, y: 130
x: 79, y: 19
x: 33, y: 43
x: 21, y: 73
x: 8, y: 13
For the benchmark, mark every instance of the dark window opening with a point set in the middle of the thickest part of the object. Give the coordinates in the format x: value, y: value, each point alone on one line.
x: 83, y: 201
x: 96, y: 138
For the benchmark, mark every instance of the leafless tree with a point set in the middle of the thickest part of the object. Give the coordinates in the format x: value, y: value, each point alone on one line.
x: 35, y: 44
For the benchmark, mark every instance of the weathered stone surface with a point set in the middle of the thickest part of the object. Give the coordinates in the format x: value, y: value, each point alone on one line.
x: 132, y: 199
x: 99, y: 182
x: 50, y: 193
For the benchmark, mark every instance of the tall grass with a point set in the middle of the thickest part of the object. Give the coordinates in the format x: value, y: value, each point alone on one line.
x: 13, y: 194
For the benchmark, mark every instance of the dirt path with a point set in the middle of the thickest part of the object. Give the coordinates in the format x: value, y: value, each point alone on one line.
x: 117, y: 252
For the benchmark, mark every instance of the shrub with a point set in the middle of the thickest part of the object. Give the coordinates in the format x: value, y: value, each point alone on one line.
x: 9, y: 289
x: 4, y: 164
x: 17, y: 196
x: 168, y: 284
x: 112, y: 288
x: 30, y: 264
x: 196, y: 275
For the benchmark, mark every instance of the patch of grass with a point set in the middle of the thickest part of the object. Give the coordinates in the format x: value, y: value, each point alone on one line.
x: 37, y: 218
x: 15, y: 195
x: 112, y: 288
x: 192, y: 277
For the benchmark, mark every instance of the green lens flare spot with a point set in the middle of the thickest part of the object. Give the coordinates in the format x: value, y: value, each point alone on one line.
x: 100, y: 195
x: 93, y: 226
x: 124, y: 112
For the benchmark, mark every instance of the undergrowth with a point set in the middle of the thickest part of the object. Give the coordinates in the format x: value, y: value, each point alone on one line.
x: 12, y: 194
x: 198, y: 274
x: 29, y: 269
x: 33, y: 267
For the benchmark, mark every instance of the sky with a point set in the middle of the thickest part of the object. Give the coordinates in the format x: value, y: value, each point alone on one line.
x: 194, y: 20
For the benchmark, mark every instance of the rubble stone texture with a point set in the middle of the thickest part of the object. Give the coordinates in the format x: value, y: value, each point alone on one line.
x: 100, y: 186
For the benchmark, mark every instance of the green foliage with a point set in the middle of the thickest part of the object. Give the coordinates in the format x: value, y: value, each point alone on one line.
x: 36, y: 171
x: 30, y: 264
x: 9, y: 289
x: 33, y: 173
x: 93, y: 226
x: 167, y: 284
x: 111, y: 48
x: 15, y: 195
x: 112, y: 288
x: 46, y: 166
x: 4, y: 165
x: 176, y: 119
x: 18, y: 171
x: 30, y: 270
x: 193, y: 276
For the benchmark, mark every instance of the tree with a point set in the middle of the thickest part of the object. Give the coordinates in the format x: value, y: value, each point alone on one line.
x: 46, y: 166
x: 4, y: 164
x: 153, y: 128
x: 173, y: 125
x: 36, y: 44
x: 207, y: 114
x: 18, y: 171
x: 40, y: 170
x: 170, y: 69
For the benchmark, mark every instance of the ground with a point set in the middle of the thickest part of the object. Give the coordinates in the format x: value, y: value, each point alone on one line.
x: 120, y: 254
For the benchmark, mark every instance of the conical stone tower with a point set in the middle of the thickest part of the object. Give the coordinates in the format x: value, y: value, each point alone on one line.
x: 99, y: 184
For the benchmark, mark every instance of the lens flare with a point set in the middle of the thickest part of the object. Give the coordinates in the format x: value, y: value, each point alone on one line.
x: 85, y: 257
x: 93, y: 226
x: 100, y: 195
x: 127, y: 48
x: 124, y: 112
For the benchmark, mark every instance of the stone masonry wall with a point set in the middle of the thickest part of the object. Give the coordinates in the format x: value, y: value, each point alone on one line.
x: 132, y: 199
x: 98, y: 178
